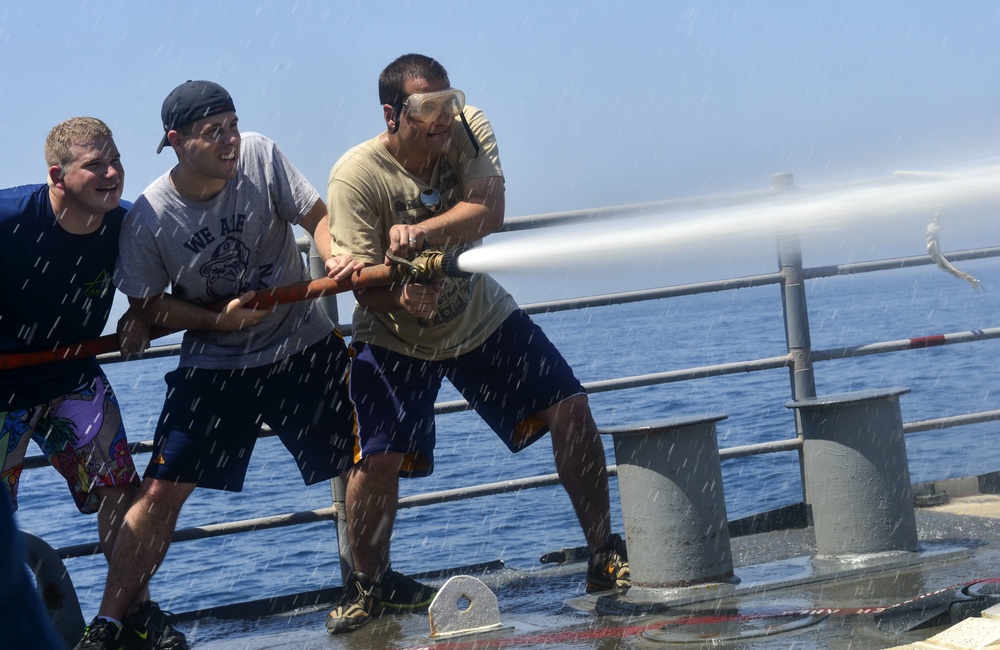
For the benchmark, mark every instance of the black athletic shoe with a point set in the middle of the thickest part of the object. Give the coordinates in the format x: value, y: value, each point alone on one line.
x: 101, y: 635
x: 360, y: 601
x: 608, y: 568
x: 151, y: 628
x: 401, y: 593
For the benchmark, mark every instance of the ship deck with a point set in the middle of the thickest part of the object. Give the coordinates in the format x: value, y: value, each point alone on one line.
x: 783, y: 597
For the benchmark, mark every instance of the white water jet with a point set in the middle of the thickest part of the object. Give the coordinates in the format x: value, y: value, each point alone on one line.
x: 901, y: 203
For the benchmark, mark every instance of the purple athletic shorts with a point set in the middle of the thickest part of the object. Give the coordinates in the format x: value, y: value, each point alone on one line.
x: 513, y: 375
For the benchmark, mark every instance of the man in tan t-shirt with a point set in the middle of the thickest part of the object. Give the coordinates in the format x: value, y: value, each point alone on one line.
x: 433, y: 178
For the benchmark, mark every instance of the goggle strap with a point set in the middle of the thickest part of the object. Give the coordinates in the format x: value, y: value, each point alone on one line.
x: 468, y: 130
x: 397, y: 110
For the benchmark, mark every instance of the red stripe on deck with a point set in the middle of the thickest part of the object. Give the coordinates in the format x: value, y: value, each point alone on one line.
x: 543, y: 638
x: 927, y: 341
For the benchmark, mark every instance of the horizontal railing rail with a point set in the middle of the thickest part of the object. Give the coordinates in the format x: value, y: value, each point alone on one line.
x: 333, y: 513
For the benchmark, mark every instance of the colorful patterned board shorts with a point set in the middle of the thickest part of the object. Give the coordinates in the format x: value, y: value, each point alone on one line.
x: 81, y: 434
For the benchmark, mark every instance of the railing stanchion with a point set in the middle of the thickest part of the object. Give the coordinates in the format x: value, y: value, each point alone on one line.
x: 796, y: 317
x: 317, y: 269
x: 338, y: 489
x: 338, y: 486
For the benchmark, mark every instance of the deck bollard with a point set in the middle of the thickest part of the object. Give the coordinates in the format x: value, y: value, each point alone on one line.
x: 55, y: 588
x: 854, y: 464
x: 673, y: 506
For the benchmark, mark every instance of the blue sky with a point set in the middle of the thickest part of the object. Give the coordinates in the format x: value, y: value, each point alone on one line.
x: 594, y: 103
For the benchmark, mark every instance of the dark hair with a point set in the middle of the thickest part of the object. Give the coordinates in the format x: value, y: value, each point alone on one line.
x: 409, y: 66
x: 392, y: 82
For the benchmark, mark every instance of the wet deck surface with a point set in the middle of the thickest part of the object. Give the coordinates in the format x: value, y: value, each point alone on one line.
x: 769, y: 608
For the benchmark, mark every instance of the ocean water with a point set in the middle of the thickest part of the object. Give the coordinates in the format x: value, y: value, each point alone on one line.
x: 600, y: 343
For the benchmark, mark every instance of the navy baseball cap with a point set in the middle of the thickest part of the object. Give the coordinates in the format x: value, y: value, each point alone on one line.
x: 191, y: 101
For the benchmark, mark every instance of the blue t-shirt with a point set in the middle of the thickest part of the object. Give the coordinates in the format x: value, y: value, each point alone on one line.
x: 55, y: 289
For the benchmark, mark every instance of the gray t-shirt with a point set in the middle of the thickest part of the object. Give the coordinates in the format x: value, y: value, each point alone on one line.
x: 211, y: 251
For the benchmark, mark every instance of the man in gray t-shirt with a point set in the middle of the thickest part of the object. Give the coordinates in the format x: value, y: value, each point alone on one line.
x: 214, y: 230
x: 214, y: 249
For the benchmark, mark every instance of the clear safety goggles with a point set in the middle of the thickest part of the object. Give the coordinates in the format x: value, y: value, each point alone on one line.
x: 424, y: 107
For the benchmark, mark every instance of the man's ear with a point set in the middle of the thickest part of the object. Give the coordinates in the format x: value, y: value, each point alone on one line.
x: 173, y: 138
x: 56, y: 177
x: 390, y: 117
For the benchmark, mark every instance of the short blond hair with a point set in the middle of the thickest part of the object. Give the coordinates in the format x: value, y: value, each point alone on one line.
x: 76, y: 130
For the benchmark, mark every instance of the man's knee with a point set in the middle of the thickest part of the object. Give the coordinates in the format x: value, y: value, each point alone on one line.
x: 377, y: 467
x: 116, y: 497
x: 571, y: 417
x: 163, y: 495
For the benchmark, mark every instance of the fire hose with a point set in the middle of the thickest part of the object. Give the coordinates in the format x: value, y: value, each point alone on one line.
x: 427, y: 266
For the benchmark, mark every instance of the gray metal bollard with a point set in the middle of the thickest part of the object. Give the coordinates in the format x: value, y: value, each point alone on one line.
x: 855, y: 467
x: 673, y: 506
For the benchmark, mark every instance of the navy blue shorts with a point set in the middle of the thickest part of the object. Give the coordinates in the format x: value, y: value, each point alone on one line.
x: 211, y: 418
x: 513, y: 375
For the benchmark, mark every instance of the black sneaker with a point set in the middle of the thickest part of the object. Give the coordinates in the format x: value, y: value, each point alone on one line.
x: 101, y: 635
x: 401, y: 593
x: 151, y: 628
x: 360, y: 601
x: 608, y: 568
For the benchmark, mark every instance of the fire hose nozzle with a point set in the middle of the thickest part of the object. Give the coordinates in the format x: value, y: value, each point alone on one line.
x: 430, y: 265
x: 449, y: 262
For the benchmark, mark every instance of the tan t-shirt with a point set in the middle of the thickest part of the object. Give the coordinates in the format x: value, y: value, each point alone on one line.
x: 368, y: 193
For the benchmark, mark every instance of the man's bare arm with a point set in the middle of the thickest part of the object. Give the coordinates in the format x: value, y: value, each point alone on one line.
x: 480, y: 214
x: 317, y: 224
x: 173, y: 313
